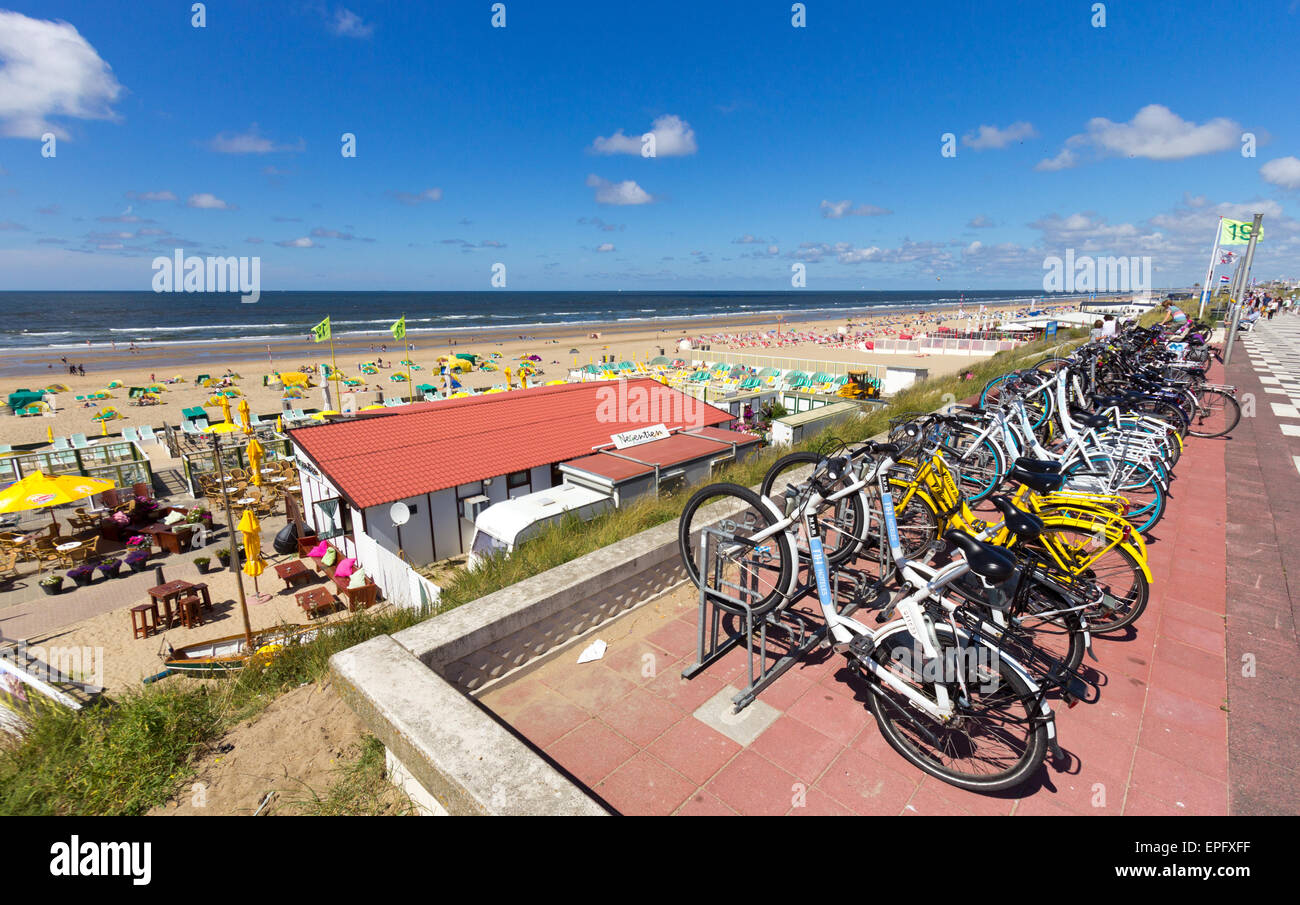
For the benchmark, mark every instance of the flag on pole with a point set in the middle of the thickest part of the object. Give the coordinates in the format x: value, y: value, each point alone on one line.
x: 1237, y: 232
x: 399, y: 328
x: 321, y: 331
x: 1224, y: 279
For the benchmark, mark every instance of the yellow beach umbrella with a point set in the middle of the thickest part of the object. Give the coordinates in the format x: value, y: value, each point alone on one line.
x: 39, y: 490
x: 221, y: 427
x: 224, y: 401
x: 255, y: 455
x: 251, y: 529
x: 244, y: 420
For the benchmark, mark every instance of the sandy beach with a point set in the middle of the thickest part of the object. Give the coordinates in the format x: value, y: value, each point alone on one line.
x: 813, y: 339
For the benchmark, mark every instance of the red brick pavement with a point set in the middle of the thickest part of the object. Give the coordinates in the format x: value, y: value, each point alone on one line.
x: 1156, y: 743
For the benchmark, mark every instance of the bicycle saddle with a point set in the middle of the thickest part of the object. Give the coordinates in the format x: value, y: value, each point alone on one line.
x: 1024, y: 525
x: 1042, y: 466
x: 1037, y: 481
x: 986, y: 561
x: 1087, y: 419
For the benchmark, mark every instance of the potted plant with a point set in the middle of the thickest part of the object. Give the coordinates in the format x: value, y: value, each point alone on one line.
x: 52, y: 584
x: 110, y: 568
x: 83, y: 574
x: 137, y: 560
x: 140, y: 542
x: 202, y: 563
x: 224, y: 556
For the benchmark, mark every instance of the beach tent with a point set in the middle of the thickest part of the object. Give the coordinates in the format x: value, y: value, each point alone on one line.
x: 467, y: 356
x: 295, y: 379
x: 660, y: 360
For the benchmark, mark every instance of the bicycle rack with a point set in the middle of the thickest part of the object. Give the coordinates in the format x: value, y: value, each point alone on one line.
x: 763, y: 633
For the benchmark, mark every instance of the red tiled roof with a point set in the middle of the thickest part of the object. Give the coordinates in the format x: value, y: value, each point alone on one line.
x: 666, y: 453
x: 424, y: 447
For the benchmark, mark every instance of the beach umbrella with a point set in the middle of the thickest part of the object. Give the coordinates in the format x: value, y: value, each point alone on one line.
x: 39, y: 490
x: 224, y: 401
x: 221, y: 427
x: 255, y: 456
x: 251, y: 529
x: 244, y: 421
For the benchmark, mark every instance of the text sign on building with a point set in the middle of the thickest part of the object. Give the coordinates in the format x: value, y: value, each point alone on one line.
x: 640, y: 435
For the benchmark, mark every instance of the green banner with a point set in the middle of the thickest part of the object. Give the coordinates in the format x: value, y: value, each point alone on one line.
x: 1237, y: 232
x: 399, y: 328
x: 321, y: 331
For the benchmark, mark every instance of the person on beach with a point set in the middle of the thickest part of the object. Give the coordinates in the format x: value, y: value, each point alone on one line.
x: 81, y: 370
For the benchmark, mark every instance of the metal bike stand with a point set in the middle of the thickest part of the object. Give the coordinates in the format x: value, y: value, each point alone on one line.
x: 714, y: 641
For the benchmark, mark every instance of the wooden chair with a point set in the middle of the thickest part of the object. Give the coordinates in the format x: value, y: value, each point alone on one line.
x: 9, y: 563
x: 142, y: 489
x: 190, y: 611
x: 144, y: 620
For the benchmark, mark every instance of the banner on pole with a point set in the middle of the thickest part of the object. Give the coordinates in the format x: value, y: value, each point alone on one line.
x: 399, y: 328
x: 1237, y: 232
x: 321, y: 331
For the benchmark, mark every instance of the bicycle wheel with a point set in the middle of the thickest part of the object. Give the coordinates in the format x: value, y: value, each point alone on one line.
x: 996, y: 738
x: 918, y: 522
x: 1217, y: 413
x: 740, y: 569
x: 979, y: 466
x: 1114, y: 572
x: 842, y: 522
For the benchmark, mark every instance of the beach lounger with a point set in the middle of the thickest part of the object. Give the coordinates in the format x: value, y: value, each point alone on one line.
x: 79, y: 441
x: 147, y: 435
x: 131, y: 434
x: 187, y: 427
x: 201, y: 425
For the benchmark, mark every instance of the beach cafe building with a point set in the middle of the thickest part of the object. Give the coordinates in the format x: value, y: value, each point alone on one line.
x: 445, y: 461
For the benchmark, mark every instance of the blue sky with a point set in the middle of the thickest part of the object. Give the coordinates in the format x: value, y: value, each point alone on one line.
x: 776, y: 145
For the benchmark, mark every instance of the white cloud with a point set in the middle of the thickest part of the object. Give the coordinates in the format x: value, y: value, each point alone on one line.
x: 619, y: 193
x: 986, y: 137
x: 303, y: 242
x: 605, y: 246
x: 1062, y: 161
x: 49, y: 69
x: 748, y: 239
x: 674, y: 137
x: 981, y: 222
x: 250, y: 142
x: 348, y: 24
x: 834, y: 210
x: 208, y: 201
x: 152, y: 196
x: 1284, y: 172
x: 1155, y: 133
x: 433, y: 194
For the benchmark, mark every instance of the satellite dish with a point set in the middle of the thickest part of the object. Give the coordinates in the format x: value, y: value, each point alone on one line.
x: 400, y: 513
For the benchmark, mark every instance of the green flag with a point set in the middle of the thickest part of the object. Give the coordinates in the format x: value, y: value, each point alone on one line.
x: 1237, y: 232
x: 399, y: 328
x: 321, y: 331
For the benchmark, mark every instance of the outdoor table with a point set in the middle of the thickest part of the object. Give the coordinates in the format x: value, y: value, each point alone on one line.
x: 68, y: 547
x: 293, y: 572
x: 166, y: 594
x: 313, y: 600
x: 277, y: 480
x: 245, y: 501
x: 294, y: 488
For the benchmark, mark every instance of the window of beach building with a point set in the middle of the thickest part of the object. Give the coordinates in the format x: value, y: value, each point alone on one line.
x: 333, y: 518
x: 464, y: 492
x: 518, y: 480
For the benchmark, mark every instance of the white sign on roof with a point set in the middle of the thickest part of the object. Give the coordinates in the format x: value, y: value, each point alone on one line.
x: 638, y: 436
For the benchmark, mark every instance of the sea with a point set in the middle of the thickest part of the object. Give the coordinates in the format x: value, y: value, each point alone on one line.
x: 32, y: 321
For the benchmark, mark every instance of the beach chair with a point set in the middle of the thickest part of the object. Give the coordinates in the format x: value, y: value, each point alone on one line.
x: 147, y: 435
x: 62, y: 443
x: 131, y: 434
x: 187, y: 427
x: 201, y: 425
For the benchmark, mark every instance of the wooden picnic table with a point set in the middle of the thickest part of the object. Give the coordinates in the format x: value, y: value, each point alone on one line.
x: 292, y: 572
x: 314, y: 599
x: 167, y: 594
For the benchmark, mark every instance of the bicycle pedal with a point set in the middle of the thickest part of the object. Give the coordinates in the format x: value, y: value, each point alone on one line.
x: 861, y: 647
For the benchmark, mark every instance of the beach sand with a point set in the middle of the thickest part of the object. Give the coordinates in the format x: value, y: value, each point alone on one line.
x: 39, y: 369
